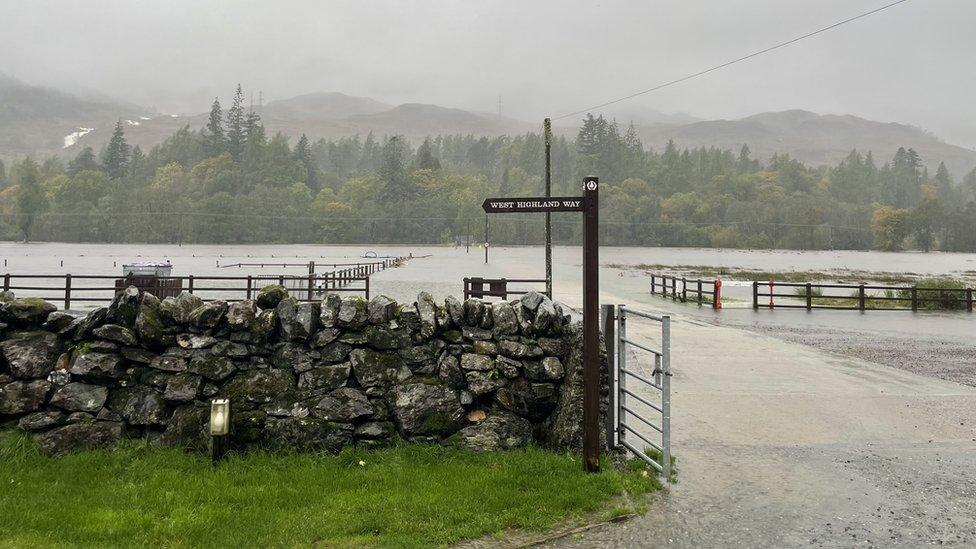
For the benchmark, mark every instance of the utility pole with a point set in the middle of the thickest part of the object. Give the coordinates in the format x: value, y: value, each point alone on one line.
x: 547, y: 136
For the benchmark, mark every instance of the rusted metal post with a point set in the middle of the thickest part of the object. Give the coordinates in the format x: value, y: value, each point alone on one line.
x: 591, y: 321
x: 67, y: 291
x: 771, y: 292
x: 717, y: 295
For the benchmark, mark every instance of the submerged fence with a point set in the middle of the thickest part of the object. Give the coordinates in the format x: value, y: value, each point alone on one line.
x: 859, y: 297
x: 679, y: 288
x: 498, y: 287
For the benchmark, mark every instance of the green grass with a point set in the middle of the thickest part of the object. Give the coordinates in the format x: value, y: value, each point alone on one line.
x: 410, y: 496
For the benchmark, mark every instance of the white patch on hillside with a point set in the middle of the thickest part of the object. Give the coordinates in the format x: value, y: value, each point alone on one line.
x: 73, y: 137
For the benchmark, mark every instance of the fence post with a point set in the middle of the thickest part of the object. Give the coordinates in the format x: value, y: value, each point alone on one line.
x: 311, y: 286
x: 250, y: 283
x: 717, y: 295
x: 969, y: 300
x: 684, y: 290
x: 621, y: 366
x: 666, y: 396
x: 772, y: 291
x: 699, y: 293
x: 652, y: 284
x: 755, y: 294
x: 466, y: 281
x: 809, y: 296
x: 860, y: 296
x: 367, y: 288
x: 67, y: 291
x: 609, y: 339
x: 674, y: 288
x: 189, y: 284
x: 6, y: 282
x: 914, y: 298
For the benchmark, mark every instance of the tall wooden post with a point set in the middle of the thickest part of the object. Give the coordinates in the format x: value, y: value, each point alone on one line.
x: 547, y: 136
x: 486, y: 239
x: 591, y: 320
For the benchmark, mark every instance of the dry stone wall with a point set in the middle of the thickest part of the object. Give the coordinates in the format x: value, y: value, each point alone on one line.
x: 300, y: 376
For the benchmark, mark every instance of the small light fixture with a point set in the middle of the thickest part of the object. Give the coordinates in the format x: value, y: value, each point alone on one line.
x: 219, y: 428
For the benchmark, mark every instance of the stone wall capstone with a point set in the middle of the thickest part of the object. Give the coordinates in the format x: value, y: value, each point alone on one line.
x: 300, y: 376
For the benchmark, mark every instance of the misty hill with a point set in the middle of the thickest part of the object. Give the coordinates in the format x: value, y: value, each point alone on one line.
x: 36, y: 119
x: 322, y: 106
x: 812, y: 138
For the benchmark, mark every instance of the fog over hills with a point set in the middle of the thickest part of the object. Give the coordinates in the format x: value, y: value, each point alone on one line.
x: 42, y: 121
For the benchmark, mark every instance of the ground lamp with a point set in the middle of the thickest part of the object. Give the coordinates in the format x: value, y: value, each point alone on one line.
x: 219, y: 428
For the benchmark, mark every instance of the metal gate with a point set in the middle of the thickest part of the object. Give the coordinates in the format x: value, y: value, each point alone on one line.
x: 640, y: 402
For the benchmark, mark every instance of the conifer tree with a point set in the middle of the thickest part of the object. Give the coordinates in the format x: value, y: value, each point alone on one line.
x: 30, y: 197
x: 214, y: 135
x: 85, y: 160
x: 425, y: 159
x: 303, y: 153
x: 116, y: 161
x: 236, y: 125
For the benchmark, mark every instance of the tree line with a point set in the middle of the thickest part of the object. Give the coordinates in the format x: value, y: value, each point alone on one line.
x: 230, y: 182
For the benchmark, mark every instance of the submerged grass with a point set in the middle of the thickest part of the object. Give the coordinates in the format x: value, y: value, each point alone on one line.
x: 408, y: 496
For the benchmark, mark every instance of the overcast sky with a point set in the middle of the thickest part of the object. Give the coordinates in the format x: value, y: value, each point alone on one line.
x: 913, y: 63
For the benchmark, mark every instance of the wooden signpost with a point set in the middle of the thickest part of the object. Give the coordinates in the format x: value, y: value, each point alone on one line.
x: 588, y: 205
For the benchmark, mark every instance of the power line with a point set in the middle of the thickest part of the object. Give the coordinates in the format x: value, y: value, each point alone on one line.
x: 734, y: 61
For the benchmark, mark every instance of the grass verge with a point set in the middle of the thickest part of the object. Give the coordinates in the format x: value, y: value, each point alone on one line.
x: 408, y: 496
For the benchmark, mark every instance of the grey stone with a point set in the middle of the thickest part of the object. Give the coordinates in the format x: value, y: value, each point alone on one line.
x: 385, y: 339
x: 195, y: 341
x: 352, y: 313
x: 19, y: 397
x: 149, y: 322
x: 424, y: 409
x: 261, y: 386
x: 295, y: 356
x: 466, y: 398
x: 269, y: 296
x: 325, y: 377
x: 373, y: 368
x: 498, y: 432
x: 487, y: 318
x: 183, y: 388
x: 516, y: 349
x: 95, y: 364
x: 374, y: 430
x: 124, y: 307
x: 335, y: 352
x: 208, y: 315
x: 475, y: 333
x: 58, y: 322
x: 116, y: 333
x: 307, y: 434
x: 325, y: 336
x: 80, y: 436
x: 298, y: 321
x: 189, y: 429
x: 483, y: 383
x: 506, y: 323
x: 473, y: 309
x: 102, y: 346
x: 30, y: 354
x: 264, y: 326
x: 212, y: 367
x: 143, y: 406
x: 532, y: 300
x: 168, y: 363
x: 427, y: 311
x: 181, y: 307
x: 89, y: 322
x: 138, y: 355
x: 79, y: 397
x: 485, y: 347
x: 476, y: 362
x: 524, y: 318
x: 552, y: 346
x: 455, y: 310
x: 508, y: 367
x: 241, y: 315
x: 450, y: 372
x: 230, y: 349
x: 329, y: 313
x: 28, y: 312
x: 41, y: 420
x: 343, y: 405
x: 545, y: 316
x: 381, y: 309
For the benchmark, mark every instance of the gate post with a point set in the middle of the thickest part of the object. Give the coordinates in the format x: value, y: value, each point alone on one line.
x: 621, y: 366
x: 609, y: 340
x: 666, y: 396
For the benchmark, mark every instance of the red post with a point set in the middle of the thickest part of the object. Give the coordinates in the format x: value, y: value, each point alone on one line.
x: 717, y: 301
x: 771, y: 293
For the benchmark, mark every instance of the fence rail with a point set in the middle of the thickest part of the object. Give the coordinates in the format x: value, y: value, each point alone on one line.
x: 679, y: 288
x: 861, y: 296
x: 498, y: 287
x: 71, y: 289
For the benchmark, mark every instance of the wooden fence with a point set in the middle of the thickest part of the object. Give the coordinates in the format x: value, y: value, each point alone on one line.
x: 498, y: 287
x: 74, y: 289
x: 679, y: 288
x: 860, y: 296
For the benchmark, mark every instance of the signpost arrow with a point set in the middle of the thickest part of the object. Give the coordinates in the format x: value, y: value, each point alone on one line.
x: 533, y: 204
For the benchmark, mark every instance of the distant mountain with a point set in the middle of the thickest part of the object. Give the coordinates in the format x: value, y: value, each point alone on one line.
x: 322, y: 106
x: 36, y: 119
x: 816, y: 139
